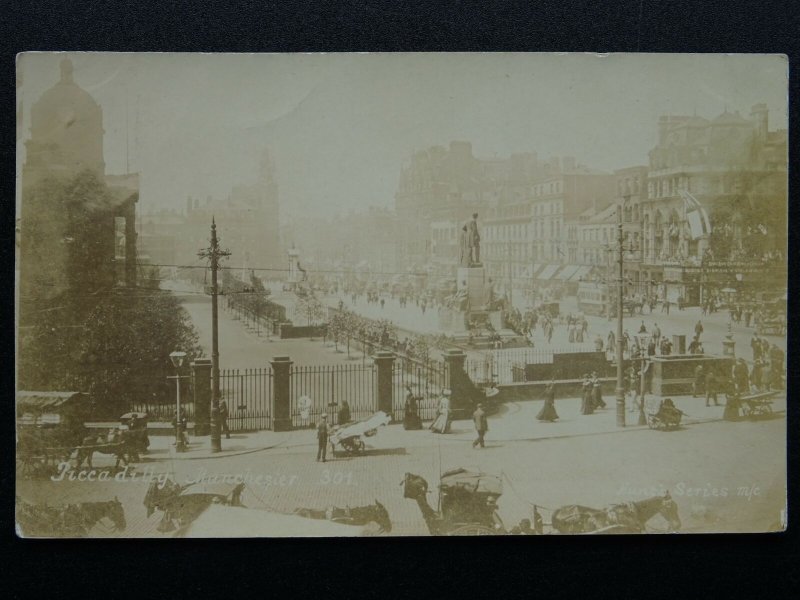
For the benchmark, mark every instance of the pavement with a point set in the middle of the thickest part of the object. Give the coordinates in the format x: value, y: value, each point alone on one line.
x: 515, y: 421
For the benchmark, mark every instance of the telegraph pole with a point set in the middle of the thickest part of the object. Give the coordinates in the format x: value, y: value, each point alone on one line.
x: 620, y: 390
x: 213, y: 253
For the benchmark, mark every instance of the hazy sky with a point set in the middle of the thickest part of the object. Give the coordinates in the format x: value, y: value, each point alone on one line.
x: 339, y: 126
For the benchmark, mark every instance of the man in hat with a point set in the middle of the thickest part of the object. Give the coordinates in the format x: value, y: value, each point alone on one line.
x: 322, y: 438
x: 481, y: 425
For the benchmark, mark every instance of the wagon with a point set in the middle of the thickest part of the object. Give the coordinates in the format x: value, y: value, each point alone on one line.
x: 662, y: 414
x: 50, y: 426
x: 757, y: 405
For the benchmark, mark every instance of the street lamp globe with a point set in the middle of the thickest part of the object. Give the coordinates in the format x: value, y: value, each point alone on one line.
x: 177, y: 358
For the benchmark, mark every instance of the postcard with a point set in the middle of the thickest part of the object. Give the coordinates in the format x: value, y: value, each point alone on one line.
x: 412, y: 294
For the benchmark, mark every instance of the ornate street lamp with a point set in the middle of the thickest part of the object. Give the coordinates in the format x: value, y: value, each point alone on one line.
x: 642, y: 337
x: 178, y: 359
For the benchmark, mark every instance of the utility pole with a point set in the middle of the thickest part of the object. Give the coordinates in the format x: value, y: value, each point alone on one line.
x: 214, y: 254
x: 620, y: 390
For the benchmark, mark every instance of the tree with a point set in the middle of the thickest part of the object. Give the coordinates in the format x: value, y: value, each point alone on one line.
x: 119, y: 354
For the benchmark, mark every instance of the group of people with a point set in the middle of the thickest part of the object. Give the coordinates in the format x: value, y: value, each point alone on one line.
x: 591, y: 394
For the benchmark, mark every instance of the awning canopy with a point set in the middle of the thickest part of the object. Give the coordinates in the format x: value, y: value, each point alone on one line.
x: 40, y: 402
x: 567, y: 272
x: 547, y: 272
x: 582, y: 271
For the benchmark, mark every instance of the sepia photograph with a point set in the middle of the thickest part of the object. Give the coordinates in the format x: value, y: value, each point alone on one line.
x: 400, y: 294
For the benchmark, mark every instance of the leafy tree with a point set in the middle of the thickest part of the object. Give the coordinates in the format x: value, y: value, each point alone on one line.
x: 119, y: 355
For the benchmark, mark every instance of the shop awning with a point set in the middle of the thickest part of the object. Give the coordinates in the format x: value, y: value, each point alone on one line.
x: 547, y: 272
x: 566, y: 272
x: 583, y: 271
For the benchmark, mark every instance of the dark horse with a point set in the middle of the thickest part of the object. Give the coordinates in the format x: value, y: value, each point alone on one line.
x: 69, y: 520
x: 630, y: 517
x: 122, y: 446
x: 357, y: 515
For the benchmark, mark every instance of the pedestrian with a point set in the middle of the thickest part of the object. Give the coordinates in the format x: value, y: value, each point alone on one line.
x: 741, y: 377
x: 656, y: 332
x: 642, y: 328
x: 598, y: 343
x: 548, y: 412
x: 711, y: 388
x: 699, y: 380
x: 587, y: 406
x: 411, y: 418
x: 442, y: 422
x: 322, y: 438
x: 698, y: 330
x: 597, y: 392
x: 481, y: 425
x: 223, y: 419
x: 694, y: 346
x: 344, y: 414
x: 757, y: 375
x: 611, y: 342
x: 755, y: 344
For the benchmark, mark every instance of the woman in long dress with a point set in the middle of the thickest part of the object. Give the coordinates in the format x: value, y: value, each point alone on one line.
x: 587, y: 406
x: 442, y: 422
x: 548, y: 412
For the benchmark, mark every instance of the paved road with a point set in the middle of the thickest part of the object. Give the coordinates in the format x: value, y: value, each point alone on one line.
x: 724, y: 476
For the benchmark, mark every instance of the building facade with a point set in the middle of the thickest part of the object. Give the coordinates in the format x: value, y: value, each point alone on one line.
x: 716, y: 212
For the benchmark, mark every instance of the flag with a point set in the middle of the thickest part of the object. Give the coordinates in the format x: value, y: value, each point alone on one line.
x: 696, y: 216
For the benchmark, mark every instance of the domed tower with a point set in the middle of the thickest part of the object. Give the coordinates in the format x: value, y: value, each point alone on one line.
x: 66, y: 131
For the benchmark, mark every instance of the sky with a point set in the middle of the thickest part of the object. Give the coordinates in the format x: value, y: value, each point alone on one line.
x: 340, y: 126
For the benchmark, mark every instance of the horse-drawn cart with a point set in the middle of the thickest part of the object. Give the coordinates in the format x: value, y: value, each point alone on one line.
x: 50, y: 426
x: 467, y: 503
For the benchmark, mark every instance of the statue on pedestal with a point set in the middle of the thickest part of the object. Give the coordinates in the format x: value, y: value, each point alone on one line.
x: 469, y: 243
x: 474, y: 240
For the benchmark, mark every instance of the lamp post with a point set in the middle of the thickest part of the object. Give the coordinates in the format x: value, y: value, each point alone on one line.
x: 177, y: 359
x: 643, y: 354
x: 620, y: 389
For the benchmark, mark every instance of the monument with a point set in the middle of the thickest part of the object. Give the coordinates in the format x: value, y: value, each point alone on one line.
x: 470, y: 310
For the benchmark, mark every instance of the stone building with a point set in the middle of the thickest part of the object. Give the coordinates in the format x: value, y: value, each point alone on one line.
x: 715, y: 213
x: 66, y: 143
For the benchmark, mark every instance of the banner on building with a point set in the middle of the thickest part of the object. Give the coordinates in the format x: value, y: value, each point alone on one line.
x: 696, y: 216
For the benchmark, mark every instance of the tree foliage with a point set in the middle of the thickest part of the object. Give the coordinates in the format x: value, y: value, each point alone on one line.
x: 119, y: 354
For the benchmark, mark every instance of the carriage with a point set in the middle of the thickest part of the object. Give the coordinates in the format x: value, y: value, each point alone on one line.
x: 467, y: 502
x: 182, y: 504
x: 349, y: 436
x: 50, y: 426
x: 662, y: 414
x: 136, y: 424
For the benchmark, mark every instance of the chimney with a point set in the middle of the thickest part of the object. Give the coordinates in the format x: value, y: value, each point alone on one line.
x: 188, y: 205
x: 759, y: 114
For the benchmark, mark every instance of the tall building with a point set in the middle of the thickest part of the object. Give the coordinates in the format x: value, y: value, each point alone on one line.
x: 56, y: 256
x: 247, y: 223
x: 716, y: 209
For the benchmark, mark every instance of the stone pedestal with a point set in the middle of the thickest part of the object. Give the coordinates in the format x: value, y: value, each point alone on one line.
x: 281, y: 400
x: 384, y: 361
x: 474, y: 281
x: 465, y: 395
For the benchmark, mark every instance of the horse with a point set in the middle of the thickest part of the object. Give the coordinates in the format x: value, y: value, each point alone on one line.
x: 120, y: 446
x: 70, y: 520
x: 358, y: 515
x: 630, y: 517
